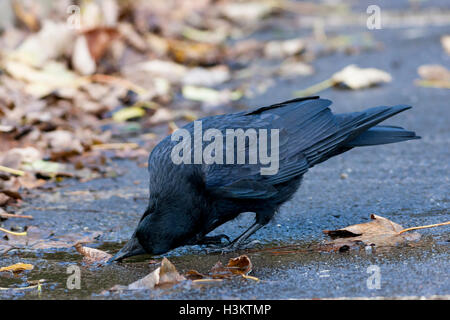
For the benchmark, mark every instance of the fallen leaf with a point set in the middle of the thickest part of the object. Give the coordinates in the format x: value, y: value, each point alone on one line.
x: 207, y: 77
x: 247, y: 12
x: 215, y: 36
x: 445, y: 41
x: 283, y: 49
x: 41, y: 82
x: 49, y: 43
x: 4, y: 199
x: 92, y: 255
x: 210, y: 96
x: 82, y: 60
x: 171, y: 71
x: 434, y: 72
x: 295, y: 68
x: 196, y: 53
x: 351, y: 77
x: 26, y: 15
x: 241, y: 266
x: 434, y: 75
x: 357, y: 78
x: 99, y: 39
x: 166, y: 275
x: 128, y: 113
x: 380, y: 232
x: 18, y: 267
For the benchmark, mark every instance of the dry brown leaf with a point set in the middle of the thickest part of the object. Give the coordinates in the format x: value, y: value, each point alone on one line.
x: 379, y: 232
x: 236, y: 266
x: 26, y: 15
x: 166, y: 275
x: 99, y: 40
x: 240, y: 265
x: 4, y: 199
x: 92, y: 255
x: 195, y: 52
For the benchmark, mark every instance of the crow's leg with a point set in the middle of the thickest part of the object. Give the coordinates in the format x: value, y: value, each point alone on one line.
x: 210, y: 240
x: 239, y: 240
x: 214, y: 240
x: 262, y: 218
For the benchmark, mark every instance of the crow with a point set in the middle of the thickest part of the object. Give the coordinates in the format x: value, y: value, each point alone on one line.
x: 189, y: 200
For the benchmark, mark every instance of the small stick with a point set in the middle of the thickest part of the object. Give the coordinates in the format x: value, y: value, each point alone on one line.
x: 9, y: 215
x: 14, y: 233
x: 12, y: 171
x: 315, y: 88
x: 250, y: 277
x: 424, y: 227
x: 433, y: 83
x: 114, y: 146
x: 104, y: 78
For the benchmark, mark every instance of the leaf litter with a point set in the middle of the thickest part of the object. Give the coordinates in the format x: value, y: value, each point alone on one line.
x: 167, y: 275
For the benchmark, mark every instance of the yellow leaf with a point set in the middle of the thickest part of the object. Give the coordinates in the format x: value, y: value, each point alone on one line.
x: 128, y: 113
x: 18, y: 267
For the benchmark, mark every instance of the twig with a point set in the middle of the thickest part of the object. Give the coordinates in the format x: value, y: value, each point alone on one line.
x: 115, y: 146
x: 442, y: 84
x: 315, y: 88
x: 14, y: 233
x: 104, y: 78
x: 424, y: 227
x: 38, y: 286
x: 250, y: 277
x: 12, y: 171
x: 9, y: 215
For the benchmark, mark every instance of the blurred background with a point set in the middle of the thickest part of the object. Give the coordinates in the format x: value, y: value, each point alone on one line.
x: 89, y: 87
x: 81, y: 77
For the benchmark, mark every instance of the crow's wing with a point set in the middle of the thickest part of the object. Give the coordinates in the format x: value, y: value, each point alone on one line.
x: 302, y: 123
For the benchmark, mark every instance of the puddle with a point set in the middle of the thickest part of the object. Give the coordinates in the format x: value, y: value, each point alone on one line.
x: 293, y: 270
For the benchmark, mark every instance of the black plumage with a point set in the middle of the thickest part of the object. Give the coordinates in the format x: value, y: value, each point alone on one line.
x: 187, y: 201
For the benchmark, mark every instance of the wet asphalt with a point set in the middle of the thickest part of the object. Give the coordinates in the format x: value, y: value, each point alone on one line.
x: 406, y: 182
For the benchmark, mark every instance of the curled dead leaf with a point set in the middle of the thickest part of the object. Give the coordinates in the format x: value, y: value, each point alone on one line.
x: 240, y: 265
x: 379, y: 232
x: 92, y: 255
x: 165, y: 275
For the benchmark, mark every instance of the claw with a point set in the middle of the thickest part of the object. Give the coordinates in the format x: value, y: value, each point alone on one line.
x: 214, y: 240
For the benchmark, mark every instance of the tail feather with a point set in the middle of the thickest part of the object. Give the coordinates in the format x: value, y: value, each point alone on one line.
x: 359, y: 129
x: 382, y: 135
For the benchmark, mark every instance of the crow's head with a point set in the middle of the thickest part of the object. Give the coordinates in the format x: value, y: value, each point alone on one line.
x: 165, y: 225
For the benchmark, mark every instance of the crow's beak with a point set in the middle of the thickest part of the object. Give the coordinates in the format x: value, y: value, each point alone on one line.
x: 131, y: 248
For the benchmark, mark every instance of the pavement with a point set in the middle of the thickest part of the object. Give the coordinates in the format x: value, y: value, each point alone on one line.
x: 406, y: 182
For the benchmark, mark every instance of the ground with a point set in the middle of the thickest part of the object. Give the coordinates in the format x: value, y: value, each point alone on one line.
x: 405, y: 182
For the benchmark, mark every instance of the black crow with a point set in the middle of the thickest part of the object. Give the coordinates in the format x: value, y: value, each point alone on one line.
x: 187, y: 201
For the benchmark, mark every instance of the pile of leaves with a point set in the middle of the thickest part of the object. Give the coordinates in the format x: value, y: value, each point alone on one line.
x: 80, y: 79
